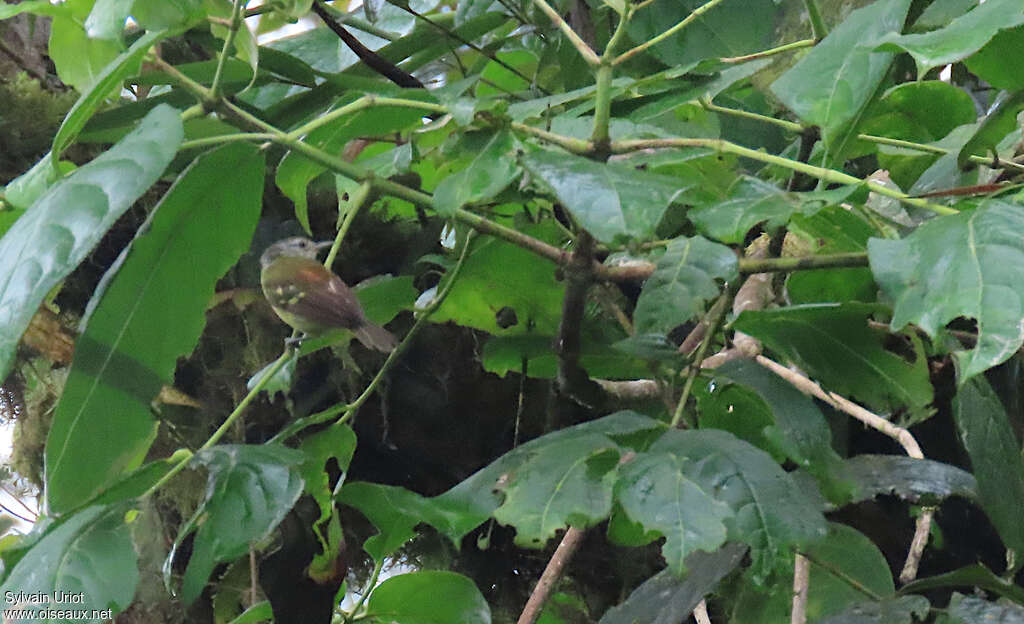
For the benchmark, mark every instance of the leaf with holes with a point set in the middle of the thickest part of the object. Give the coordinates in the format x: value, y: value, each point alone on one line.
x: 965, y: 265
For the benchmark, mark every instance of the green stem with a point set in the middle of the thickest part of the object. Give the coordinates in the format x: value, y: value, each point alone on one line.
x: 570, y: 144
x: 201, y: 93
x: 821, y: 173
x: 367, y: 101
x: 791, y: 126
x: 226, y: 425
x: 817, y: 23
x: 362, y: 194
x: 701, y: 10
x: 229, y: 40
x: 796, y: 45
x: 600, y: 138
x: 751, y: 266
x: 226, y: 138
x: 377, y: 567
x: 714, y: 321
x: 581, y: 46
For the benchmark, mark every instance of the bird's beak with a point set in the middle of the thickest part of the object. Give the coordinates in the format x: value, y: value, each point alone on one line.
x: 324, y: 245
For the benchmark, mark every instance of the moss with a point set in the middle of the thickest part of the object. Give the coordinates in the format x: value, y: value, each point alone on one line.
x: 28, y: 121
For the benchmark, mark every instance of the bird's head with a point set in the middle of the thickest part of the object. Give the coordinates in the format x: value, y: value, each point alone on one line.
x: 296, y: 246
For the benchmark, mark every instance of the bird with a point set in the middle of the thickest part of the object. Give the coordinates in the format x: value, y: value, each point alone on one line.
x: 311, y: 298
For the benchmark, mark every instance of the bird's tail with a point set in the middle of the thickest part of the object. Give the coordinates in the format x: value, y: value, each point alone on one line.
x: 375, y: 337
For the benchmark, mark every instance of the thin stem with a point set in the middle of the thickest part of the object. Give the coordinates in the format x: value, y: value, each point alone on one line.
x: 817, y: 23
x: 581, y: 46
x: 570, y: 144
x: 549, y: 577
x: 362, y: 195
x: 229, y: 40
x: 715, y: 316
x: 701, y: 10
x: 796, y: 45
x: 791, y: 126
x: 821, y: 173
x: 602, y: 107
x: 201, y: 93
x: 367, y: 101
x: 226, y: 138
x: 378, y: 566
x: 186, y: 456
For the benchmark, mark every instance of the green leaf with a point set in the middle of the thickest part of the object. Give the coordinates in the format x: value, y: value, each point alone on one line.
x: 684, y: 280
x: 66, y: 222
x: 383, y: 297
x: 975, y: 610
x: 834, y: 344
x: 900, y: 610
x: 570, y: 483
x: 249, y: 491
x: 1000, y: 121
x: 296, y: 171
x: 832, y: 85
x: 38, y: 7
x: 125, y: 65
x: 661, y: 492
x: 729, y: 29
x: 752, y: 201
x: 107, y: 19
x: 666, y: 599
x: 428, y: 597
x: 975, y: 575
x: 941, y: 12
x: 986, y: 433
x: 991, y: 63
x: 963, y: 36
x: 396, y: 512
x: 849, y: 552
x: 80, y: 61
x: 488, y: 283
x: 968, y: 264
x: 833, y: 229
x: 770, y: 513
x: 491, y: 169
x: 167, y: 14
x: 610, y: 201
x: 127, y: 352
x: 911, y: 479
x: 90, y: 557
x: 932, y: 108
x: 798, y: 427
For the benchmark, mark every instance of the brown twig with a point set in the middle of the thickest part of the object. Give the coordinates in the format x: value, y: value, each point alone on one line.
x: 573, y: 380
x: 552, y: 572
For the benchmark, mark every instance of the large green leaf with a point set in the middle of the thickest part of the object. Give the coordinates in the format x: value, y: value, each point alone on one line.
x: 427, y: 597
x: 729, y: 29
x: 799, y: 429
x: 770, y: 513
x: 969, y: 264
x: 909, y: 478
x: 902, y: 610
x: 490, y: 170
x: 834, y: 229
x: 832, y: 85
x: 751, y: 201
x: 64, y: 224
x: 498, y: 275
x: 89, y: 559
x: 249, y: 491
x: 610, y: 201
x: 662, y: 493
x: 685, y: 278
x: 986, y: 433
x: 991, y: 63
x: 80, y: 61
x: 126, y: 64
x: 963, y: 36
x: 568, y: 483
x: 834, y: 344
x: 296, y: 171
x: 975, y: 610
x: 849, y: 552
x: 128, y: 350
x: 666, y: 599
